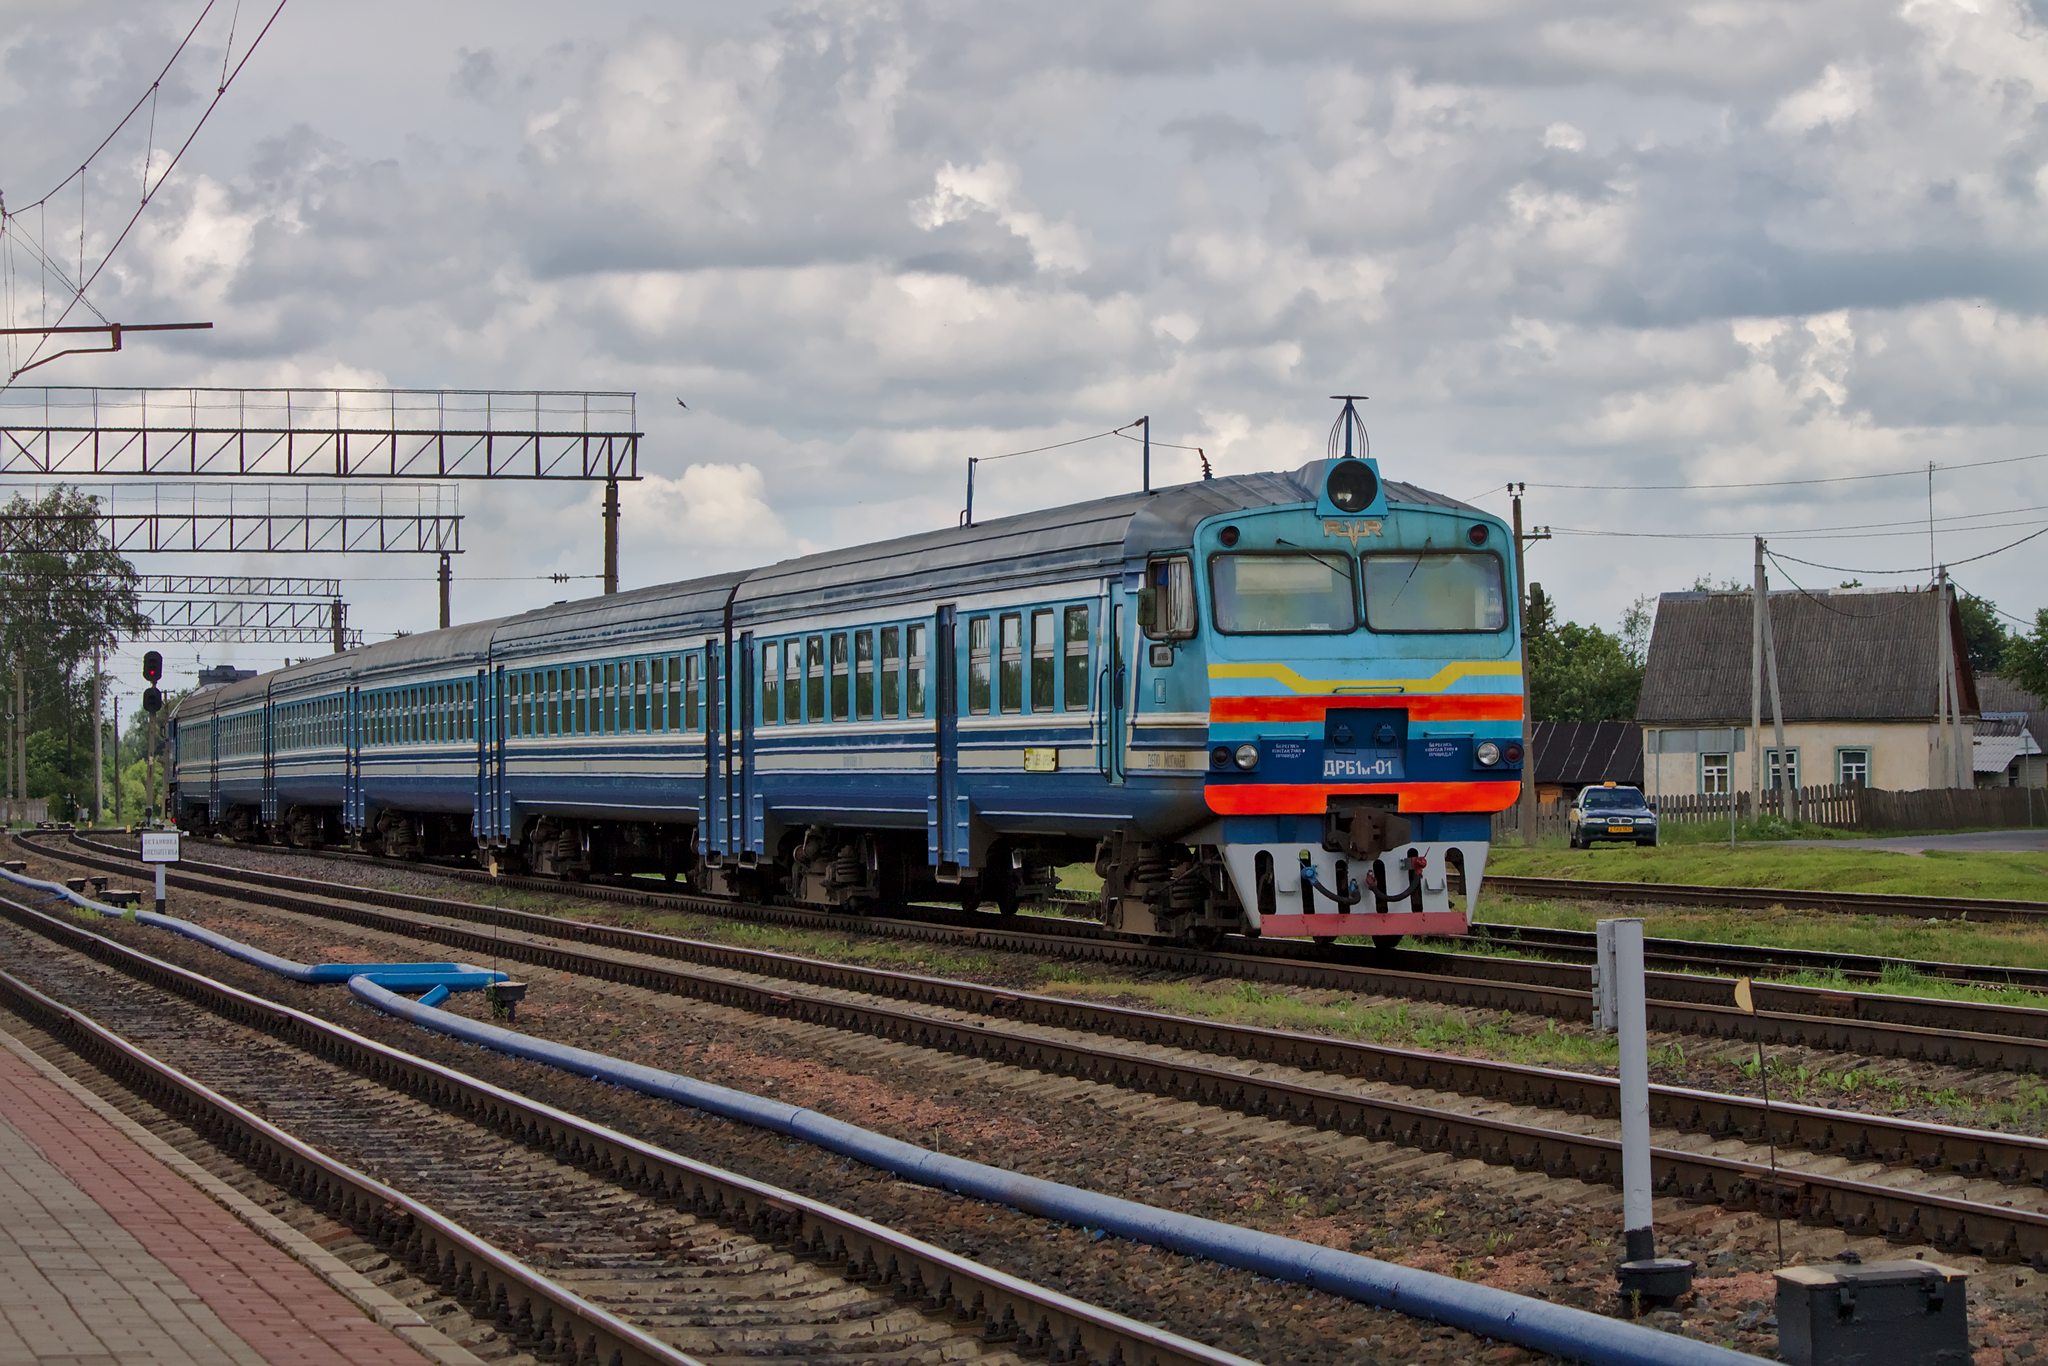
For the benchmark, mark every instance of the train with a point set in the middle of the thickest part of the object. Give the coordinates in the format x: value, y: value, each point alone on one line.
x: 1277, y: 704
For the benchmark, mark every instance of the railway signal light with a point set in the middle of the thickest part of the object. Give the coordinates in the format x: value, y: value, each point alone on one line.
x: 152, y: 701
x: 152, y: 666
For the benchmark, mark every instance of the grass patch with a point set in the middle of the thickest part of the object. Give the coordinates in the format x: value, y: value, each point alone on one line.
x: 1904, y: 941
x: 1399, y: 1023
x: 1938, y: 872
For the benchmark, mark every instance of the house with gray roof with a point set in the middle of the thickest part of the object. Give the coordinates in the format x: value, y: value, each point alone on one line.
x: 2012, y: 735
x: 1860, y: 673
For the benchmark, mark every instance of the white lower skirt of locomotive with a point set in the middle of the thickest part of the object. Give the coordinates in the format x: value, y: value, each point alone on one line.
x: 1290, y: 919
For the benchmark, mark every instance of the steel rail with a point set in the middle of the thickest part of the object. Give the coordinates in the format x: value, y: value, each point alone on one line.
x: 1763, y: 898
x: 1745, y: 958
x: 1961, y: 1034
x: 2010, y: 1159
x: 537, y: 1313
x: 936, y: 1281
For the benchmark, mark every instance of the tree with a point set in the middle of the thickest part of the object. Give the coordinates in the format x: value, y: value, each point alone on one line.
x: 2025, y: 661
x: 1581, y: 673
x: 1984, y: 632
x: 64, y: 594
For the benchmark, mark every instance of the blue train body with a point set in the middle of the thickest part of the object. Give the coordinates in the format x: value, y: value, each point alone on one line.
x: 1260, y: 704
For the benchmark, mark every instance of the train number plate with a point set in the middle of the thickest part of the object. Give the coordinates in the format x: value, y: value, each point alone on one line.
x: 1355, y: 768
x: 1041, y: 761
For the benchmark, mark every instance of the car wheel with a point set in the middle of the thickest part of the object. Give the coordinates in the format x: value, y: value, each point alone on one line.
x: 1650, y: 843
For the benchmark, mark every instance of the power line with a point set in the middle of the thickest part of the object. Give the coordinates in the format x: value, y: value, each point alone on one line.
x: 1919, y: 471
x: 148, y: 191
x: 1925, y: 568
x: 1057, y: 445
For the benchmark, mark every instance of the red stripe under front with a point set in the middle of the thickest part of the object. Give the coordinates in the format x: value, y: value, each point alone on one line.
x: 1274, y: 799
x: 1343, y: 926
x: 1474, y: 706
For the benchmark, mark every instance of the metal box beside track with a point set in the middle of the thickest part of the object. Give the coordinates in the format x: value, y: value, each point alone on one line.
x: 1879, y: 1314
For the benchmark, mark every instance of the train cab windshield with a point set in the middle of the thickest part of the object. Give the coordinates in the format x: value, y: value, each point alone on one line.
x: 1283, y: 594
x: 1434, y: 592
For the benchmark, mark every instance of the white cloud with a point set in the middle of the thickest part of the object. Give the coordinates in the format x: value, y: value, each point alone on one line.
x: 1563, y: 243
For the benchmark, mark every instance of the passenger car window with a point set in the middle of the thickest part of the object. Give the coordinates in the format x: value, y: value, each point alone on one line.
x: 1010, y: 674
x: 1076, y: 680
x: 841, y: 682
x: 1283, y: 594
x: 914, y: 666
x: 1044, y: 660
x: 892, y: 666
x: 864, y: 675
x: 977, y: 666
x: 1166, y: 608
x: 1445, y: 592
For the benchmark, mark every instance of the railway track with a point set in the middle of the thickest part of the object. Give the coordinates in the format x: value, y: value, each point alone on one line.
x: 1741, y: 959
x: 1866, y: 1175
x: 591, y: 1245
x: 1763, y: 898
x: 1964, y: 1034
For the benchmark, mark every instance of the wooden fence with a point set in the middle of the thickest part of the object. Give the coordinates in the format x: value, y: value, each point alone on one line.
x: 24, y: 811
x: 1840, y: 808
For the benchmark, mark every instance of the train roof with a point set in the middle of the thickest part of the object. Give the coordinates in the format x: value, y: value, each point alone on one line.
x: 1053, y: 545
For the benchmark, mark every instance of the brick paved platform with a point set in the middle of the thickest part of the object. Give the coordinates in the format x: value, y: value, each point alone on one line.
x: 108, y: 1257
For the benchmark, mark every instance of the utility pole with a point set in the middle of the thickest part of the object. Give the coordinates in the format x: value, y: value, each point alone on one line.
x: 1756, y: 686
x: 117, y: 758
x: 1962, y: 772
x: 1525, y: 813
x: 447, y: 577
x: 1147, y: 422
x: 99, y: 754
x: 1784, y: 779
x: 611, y: 536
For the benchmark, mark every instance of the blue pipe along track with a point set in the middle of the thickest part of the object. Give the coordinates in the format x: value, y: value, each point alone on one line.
x: 1574, y: 1334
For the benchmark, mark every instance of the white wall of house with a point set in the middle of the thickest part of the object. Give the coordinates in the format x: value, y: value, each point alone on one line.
x: 1900, y: 756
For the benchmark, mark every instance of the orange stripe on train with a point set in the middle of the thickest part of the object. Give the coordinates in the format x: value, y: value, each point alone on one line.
x: 1421, y: 707
x: 1278, y: 799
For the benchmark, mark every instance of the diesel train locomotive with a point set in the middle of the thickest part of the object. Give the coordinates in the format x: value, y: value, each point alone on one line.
x: 1282, y: 704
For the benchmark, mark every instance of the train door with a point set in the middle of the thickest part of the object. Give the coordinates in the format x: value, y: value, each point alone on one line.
x: 213, y: 806
x: 352, y: 760
x: 480, y: 729
x: 499, y: 823
x: 712, y: 836
x: 268, y: 808
x: 1111, y: 701
x: 946, y: 815
x: 752, y: 812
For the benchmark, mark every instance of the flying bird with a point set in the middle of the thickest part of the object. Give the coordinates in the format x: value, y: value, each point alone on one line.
x: 682, y: 405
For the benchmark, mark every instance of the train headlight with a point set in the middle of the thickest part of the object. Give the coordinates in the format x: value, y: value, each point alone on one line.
x: 1352, y: 486
x: 1476, y: 533
x: 1247, y: 757
x: 1219, y: 757
x: 1513, y: 753
x: 1488, y: 753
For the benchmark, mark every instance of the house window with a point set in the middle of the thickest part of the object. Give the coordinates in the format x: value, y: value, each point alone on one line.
x: 1790, y: 778
x: 1853, y: 767
x: 1714, y: 774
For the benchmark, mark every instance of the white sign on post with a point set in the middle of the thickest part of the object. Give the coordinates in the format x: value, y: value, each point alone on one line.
x: 160, y: 846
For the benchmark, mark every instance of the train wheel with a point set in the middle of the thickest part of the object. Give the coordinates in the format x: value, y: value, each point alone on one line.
x: 1386, y: 943
x: 1205, y: 937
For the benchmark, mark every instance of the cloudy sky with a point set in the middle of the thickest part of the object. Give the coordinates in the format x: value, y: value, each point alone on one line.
x: 1590, y: 246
